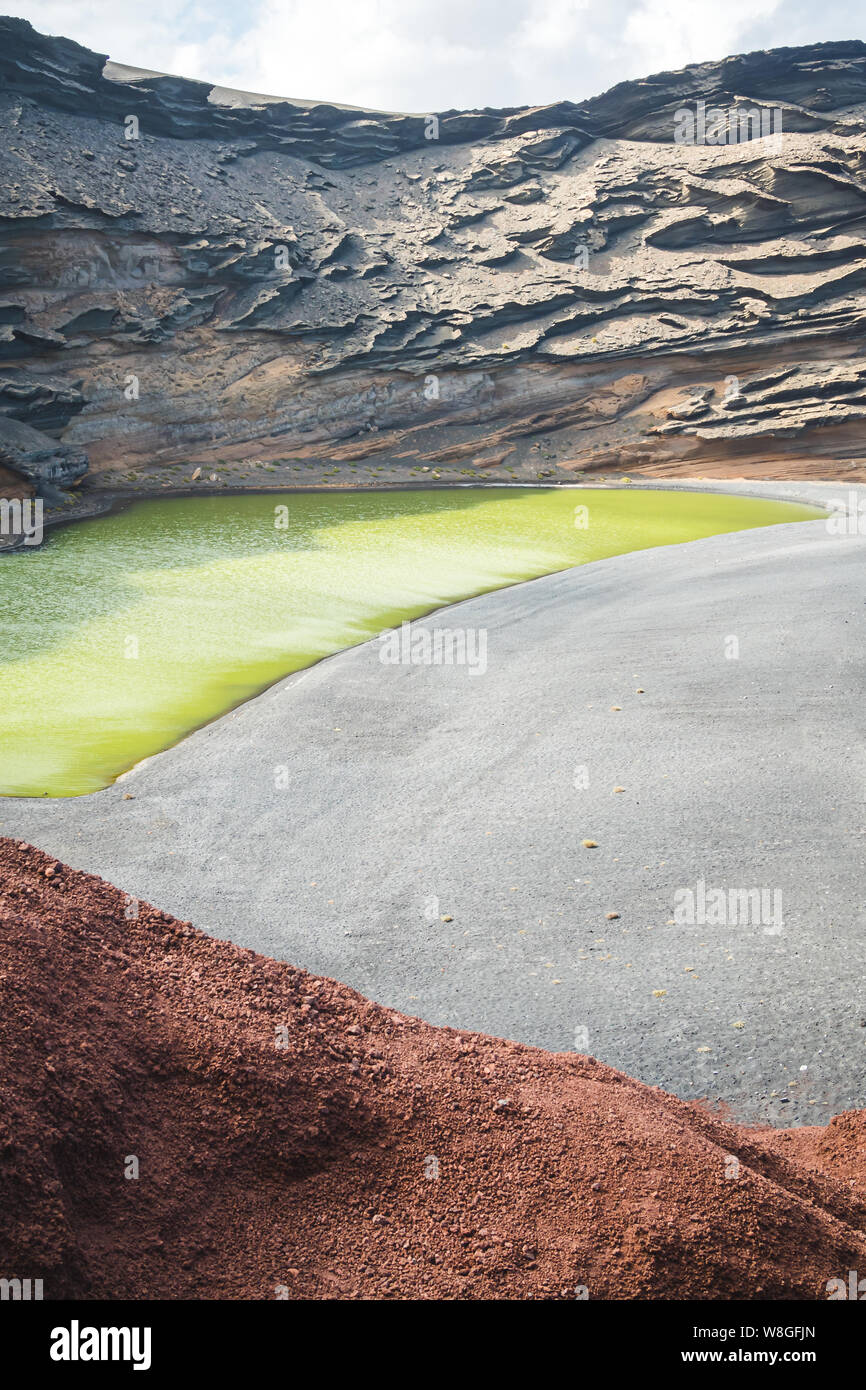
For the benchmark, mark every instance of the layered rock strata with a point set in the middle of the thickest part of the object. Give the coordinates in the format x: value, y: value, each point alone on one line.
x: 273, y: 290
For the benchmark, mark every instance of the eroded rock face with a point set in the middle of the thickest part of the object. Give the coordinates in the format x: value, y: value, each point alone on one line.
x: 38, y: 458
x: 252, y: 276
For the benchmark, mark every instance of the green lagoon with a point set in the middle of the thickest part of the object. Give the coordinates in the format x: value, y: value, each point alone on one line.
x: 122, y: 634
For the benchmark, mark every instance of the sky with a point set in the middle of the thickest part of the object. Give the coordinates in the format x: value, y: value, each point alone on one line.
x: 432, y: 55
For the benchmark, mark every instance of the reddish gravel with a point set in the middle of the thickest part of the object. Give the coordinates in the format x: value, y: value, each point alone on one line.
x: 301, y: 1170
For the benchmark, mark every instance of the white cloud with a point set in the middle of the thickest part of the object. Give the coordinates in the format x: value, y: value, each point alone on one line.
x: 380, y: 53
x: 669, y: 33
x: 127, y: 32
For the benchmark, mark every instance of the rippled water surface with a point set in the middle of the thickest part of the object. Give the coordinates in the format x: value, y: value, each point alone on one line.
x: 124, y: 633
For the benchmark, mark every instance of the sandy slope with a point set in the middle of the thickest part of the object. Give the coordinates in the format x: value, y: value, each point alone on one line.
x: 294, y: 1139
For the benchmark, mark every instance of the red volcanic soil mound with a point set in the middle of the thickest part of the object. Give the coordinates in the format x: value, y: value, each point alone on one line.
x: 294, y: 1140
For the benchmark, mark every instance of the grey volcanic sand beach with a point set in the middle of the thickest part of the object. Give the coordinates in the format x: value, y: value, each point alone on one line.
x: 338, y: 818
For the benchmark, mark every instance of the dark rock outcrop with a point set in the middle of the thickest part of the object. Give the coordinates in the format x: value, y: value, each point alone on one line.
x: 37, y: 458
x: 189, y: 274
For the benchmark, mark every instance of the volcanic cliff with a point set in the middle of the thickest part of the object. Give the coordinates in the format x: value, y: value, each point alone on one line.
x: 269, y: 290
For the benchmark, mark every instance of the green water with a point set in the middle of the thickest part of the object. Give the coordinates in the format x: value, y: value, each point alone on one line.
x: 123, y: 634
